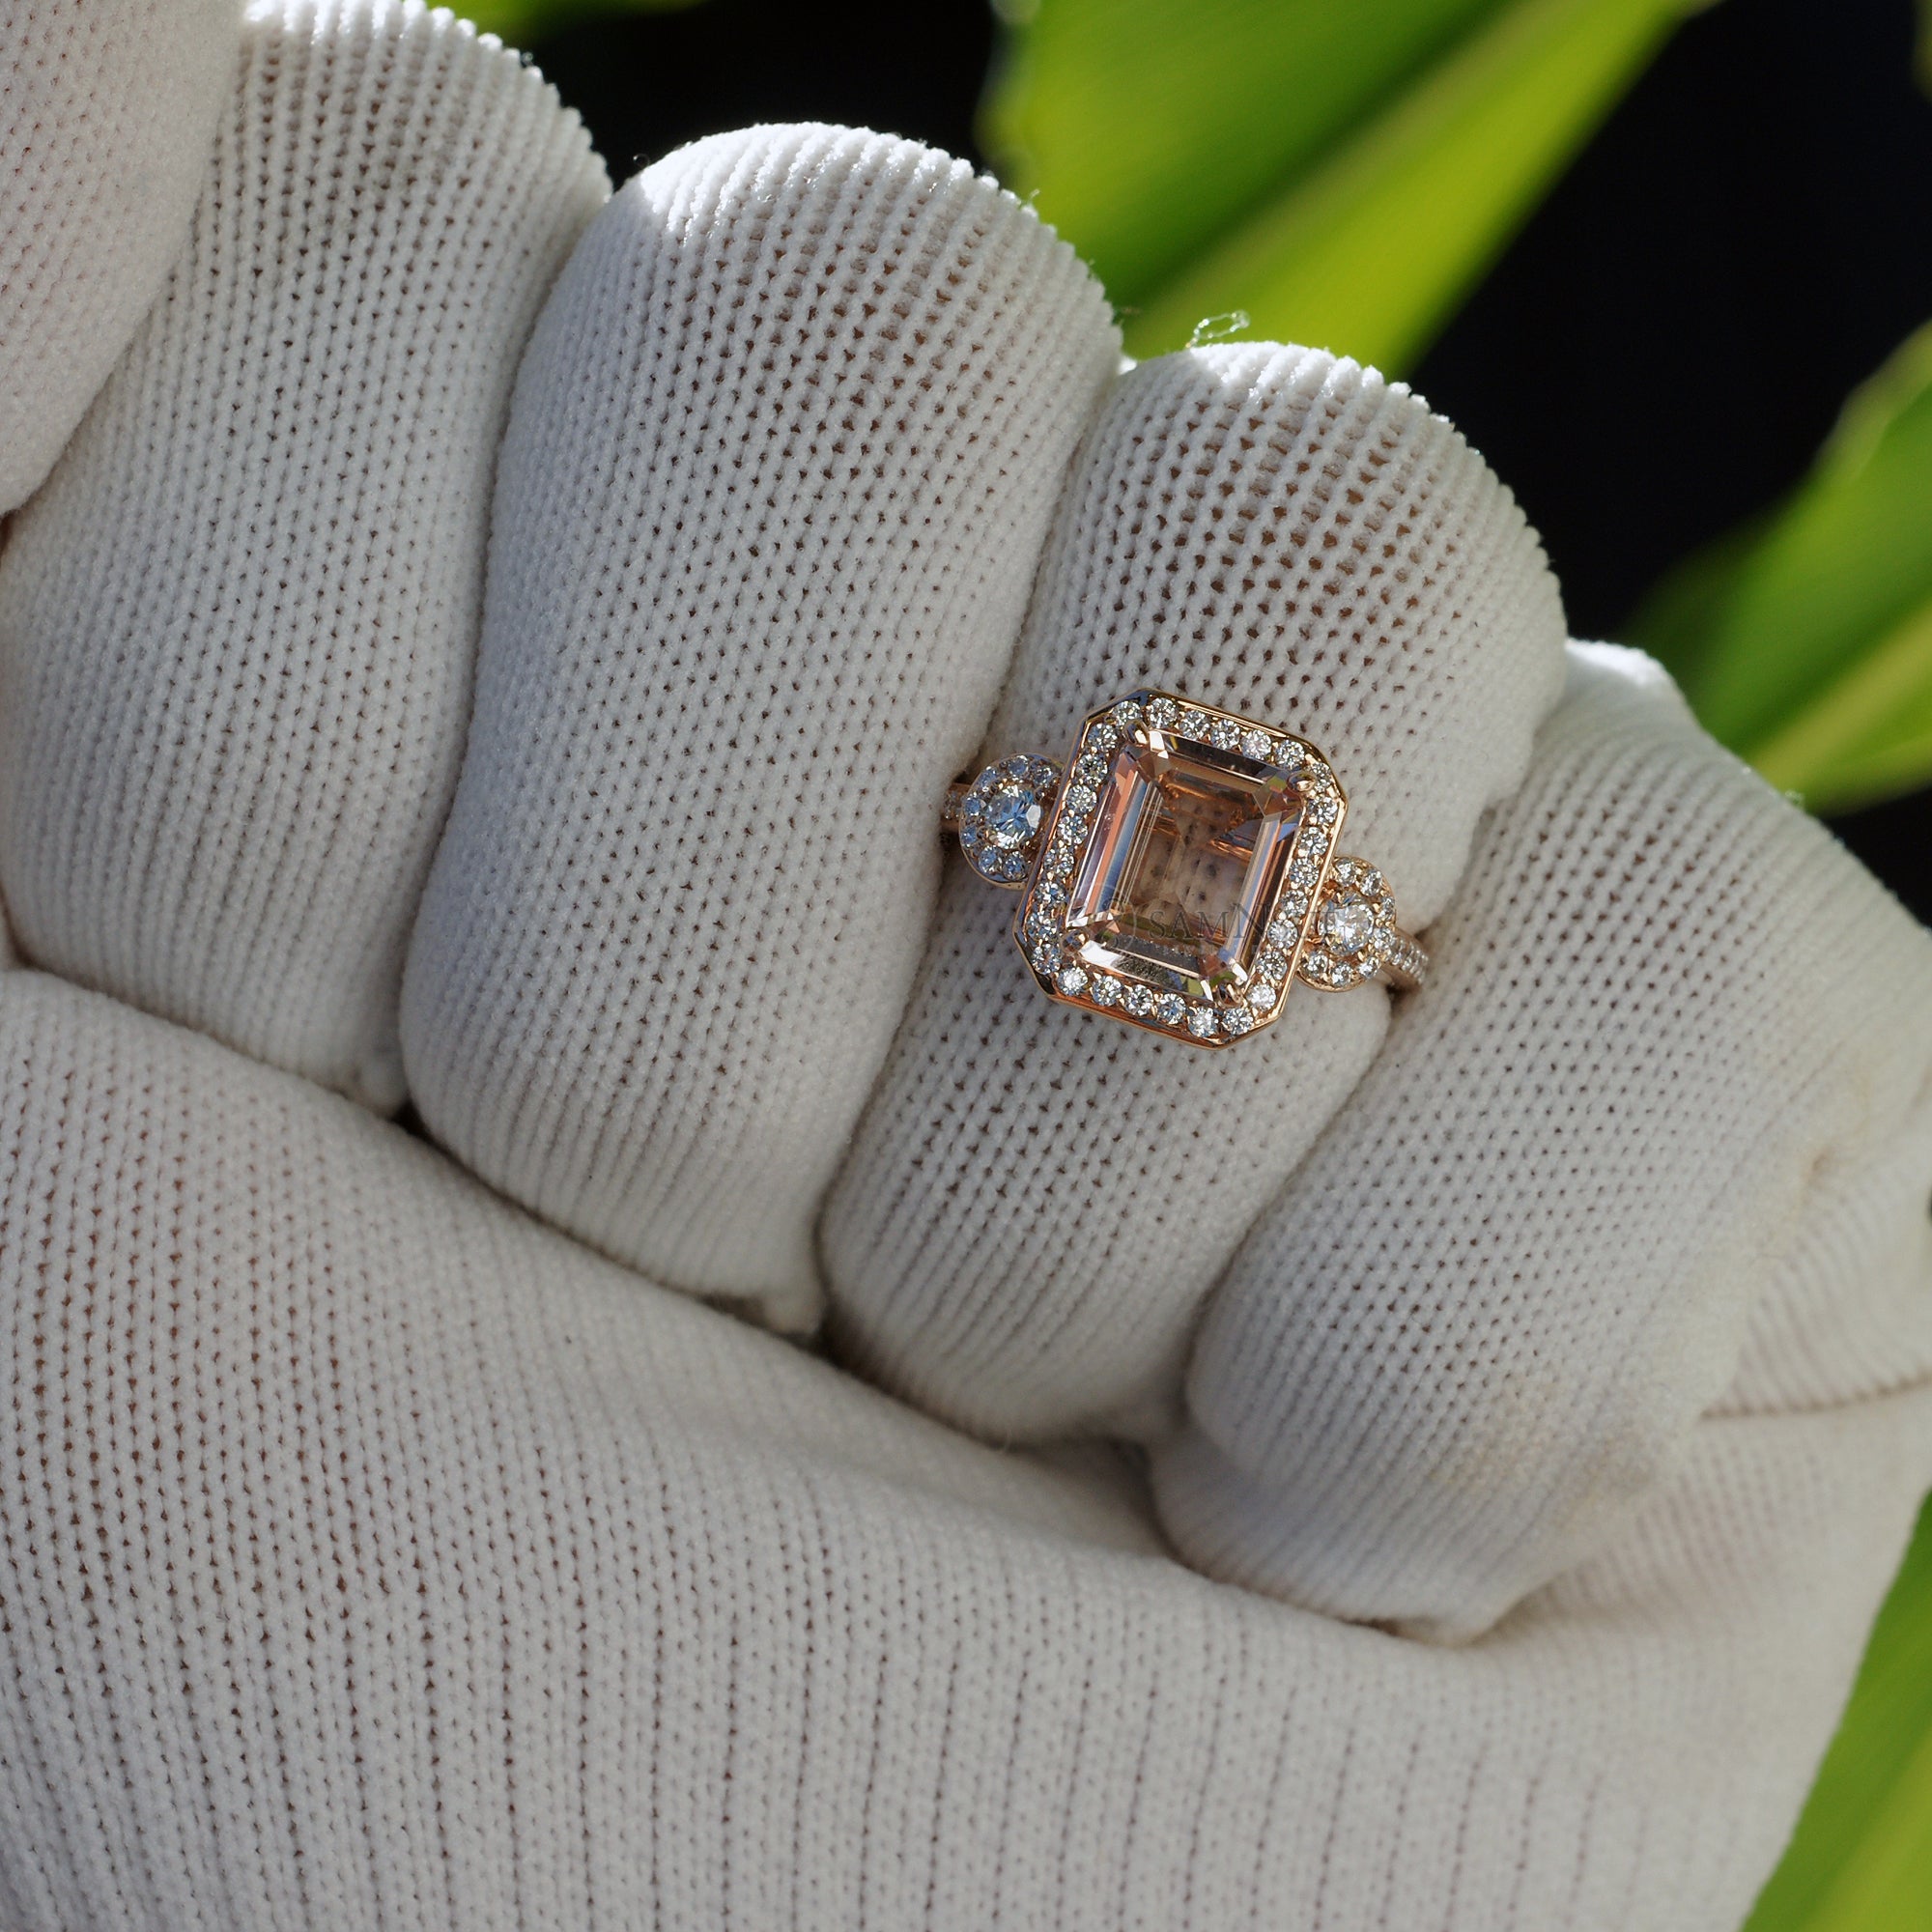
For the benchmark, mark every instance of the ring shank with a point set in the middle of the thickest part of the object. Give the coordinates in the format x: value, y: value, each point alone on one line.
x: 1405, y: 965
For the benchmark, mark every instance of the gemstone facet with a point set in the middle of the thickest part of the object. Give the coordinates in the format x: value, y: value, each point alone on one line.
x: 1183, y: 864
x: 1182, y: 868
x: 1014, y: 816
x: 1347, y: 924
x: 1000, y: 815
x: 1354, y: 930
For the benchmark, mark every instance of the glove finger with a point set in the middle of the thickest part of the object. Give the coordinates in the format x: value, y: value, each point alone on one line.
x: 1036, y: 1200
x: 364, y: 1542
x: 1674, y: 1037
x: 1845, y: 1311
x: 106, y: 114
x: 236, y: 626
x: 782, y: 455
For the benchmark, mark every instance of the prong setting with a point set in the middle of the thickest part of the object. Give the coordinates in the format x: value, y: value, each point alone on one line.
x: 1251, y: 948
x: 1000, y: 815
x: 1353, y: 935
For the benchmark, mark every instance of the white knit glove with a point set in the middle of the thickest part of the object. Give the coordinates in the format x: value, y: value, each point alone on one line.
x: 1528, y: 1388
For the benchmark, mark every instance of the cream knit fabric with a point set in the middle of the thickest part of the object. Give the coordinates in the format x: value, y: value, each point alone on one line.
x: 107, y: 112
x: 237, y: 627
x: 783, y: 457
x: 1480, y: 1323
x: 379, y: 1558
x: 1036, y: 1203
x: 373, y: 1554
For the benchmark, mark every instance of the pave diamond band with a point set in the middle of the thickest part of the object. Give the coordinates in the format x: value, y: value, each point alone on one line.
x: 1181, y: 870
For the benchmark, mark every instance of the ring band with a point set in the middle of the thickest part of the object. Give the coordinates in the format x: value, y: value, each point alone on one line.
x: 1181, y: 870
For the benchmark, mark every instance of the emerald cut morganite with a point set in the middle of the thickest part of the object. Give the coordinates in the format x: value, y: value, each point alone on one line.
x: 1183, y: 864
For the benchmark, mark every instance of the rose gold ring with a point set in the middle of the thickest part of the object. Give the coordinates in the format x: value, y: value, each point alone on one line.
x: 1181, y: 870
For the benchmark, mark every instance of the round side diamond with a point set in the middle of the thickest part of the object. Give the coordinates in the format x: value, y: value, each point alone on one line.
x: 1224, y: 734
x: 1258, y: 744
x: 1262, y: 996
x: 1126, y: 714
x: 1071, y: 981
x: 1193, y: 722
x: 1103, y: 991
x: 1201, y: 1022
x: 1349, y: 924
x: 1237, y: 1020
x: 1012, y: 816
x: 1170, y: 1008
x: 1162, y: 713
x: 1139, y: 1001
x: 1000, y: 815
x: 1079, y: 802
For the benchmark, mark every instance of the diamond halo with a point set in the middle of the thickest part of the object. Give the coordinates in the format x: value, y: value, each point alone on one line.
x: 1000, y: 815
x: 1181, y: 875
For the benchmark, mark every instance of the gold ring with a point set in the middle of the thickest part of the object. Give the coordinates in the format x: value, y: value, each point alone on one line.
x: 1181, y: 870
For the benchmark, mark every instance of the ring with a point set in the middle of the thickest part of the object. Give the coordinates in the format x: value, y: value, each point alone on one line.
x: 1181, y: 870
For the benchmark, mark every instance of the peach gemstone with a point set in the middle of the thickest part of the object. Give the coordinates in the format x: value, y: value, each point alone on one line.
x: 1184, y: 862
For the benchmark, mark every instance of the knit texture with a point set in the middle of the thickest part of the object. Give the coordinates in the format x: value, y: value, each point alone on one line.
x: 784, y: 453
x: 1479, y: 1324
x: 1038, y: 1204
x: 374, y: 1554
x: 379, y: 1558
x: 238, y: 625
x: 106, y: 116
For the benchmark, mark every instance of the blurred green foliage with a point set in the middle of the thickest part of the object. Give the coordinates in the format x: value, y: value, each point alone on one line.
x: 1805, y: 640
x: 1342, y: 175
x: 1862, y: 1859
x: 1150, y: 129
x: 520, y: 22
x: 1342, y: 172
x: 1345, y: 175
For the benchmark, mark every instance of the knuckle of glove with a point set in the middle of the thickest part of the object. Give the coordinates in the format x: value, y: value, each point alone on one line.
x: 1037, y: 1202
x: 106, y: 118
x: 238, y: 624
x: 1667, y: 1019
x: 780, y: 460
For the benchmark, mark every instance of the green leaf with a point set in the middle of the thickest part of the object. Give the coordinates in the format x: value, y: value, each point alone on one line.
x: 521, y: 23
x: 1149, y: 128
x: 1341, y: 173
x: 1860, y: 1860
x: 1806, y: 642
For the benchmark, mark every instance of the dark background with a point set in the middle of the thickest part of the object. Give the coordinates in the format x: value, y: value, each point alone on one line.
x: 1657, y: 356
